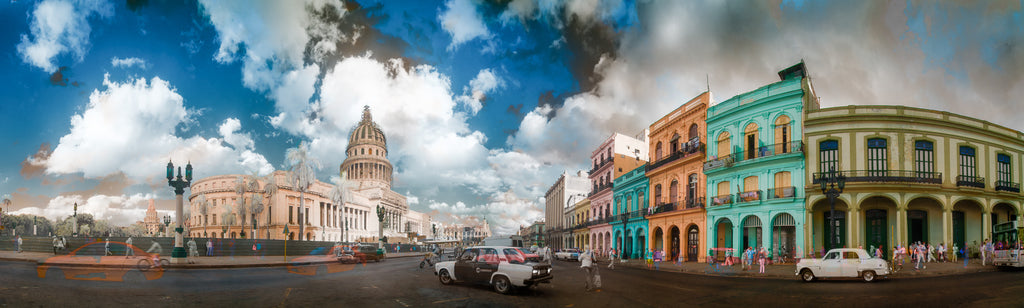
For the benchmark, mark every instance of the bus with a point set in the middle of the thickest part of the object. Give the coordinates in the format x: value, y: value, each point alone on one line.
x: 1007, y: 238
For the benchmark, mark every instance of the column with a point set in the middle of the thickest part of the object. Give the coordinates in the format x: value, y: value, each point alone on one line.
x: 986, y: 226
x: 901, y: 226
x: 810, y: 244
x: 853, y: 227
x: 947, y: 226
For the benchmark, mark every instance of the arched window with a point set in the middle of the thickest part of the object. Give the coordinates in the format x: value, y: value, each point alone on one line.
x: 640, y: 201
x: 691, y: 189
x: 675, y: 144
x: 724, y: 144
x: 657, y: 194
x: 783, y: 187
x: 750, y: 135
x: 782, y: 134
x: 878, y: 160
x: 694, y: 133
x: 657, y: 151
x: 723, y: 196
x: 673, y: 192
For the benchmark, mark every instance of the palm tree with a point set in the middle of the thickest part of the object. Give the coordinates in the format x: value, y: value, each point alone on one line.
x: 269, y: 191
x: 337, y: 195
x: 255, y: 204
x: 303, y: 170
x: 240, y: 189
x: 229, y: 219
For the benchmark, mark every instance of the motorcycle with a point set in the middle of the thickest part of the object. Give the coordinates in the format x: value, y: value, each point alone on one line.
x: 428, y: 260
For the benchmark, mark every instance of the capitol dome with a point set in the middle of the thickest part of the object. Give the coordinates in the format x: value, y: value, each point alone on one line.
x: 366, y: 161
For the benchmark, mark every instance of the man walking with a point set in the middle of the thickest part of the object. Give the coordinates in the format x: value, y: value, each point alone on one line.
x: 193, y: 252
x: 19, y: 244
x: 128, y: 248
x: 611, y: 258
x: 106, y: 247
x: 209, y: 247
x: 54, y: 244
x: 587, y: 263
x: 984, y: 252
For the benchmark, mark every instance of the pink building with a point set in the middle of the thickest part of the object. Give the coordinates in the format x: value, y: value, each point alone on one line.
x: 616, y: 156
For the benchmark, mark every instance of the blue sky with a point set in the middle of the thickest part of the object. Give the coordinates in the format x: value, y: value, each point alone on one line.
x: 484, y: 103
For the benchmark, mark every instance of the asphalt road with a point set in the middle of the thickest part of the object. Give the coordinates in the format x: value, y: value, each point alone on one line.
x: 400, y: 283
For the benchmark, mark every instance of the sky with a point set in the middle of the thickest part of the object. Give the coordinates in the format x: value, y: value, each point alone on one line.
x: 485, y: 103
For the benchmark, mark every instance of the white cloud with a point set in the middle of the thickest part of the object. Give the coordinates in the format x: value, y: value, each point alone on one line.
x: 476, y: 92
x: 120, y: 210
x: 128, y: 62
x: 505, y: 212
x: 130, y: 127
x: 57, y: 27
x: 463, y: 22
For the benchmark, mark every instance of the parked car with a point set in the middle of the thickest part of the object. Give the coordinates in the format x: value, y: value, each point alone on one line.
x: 503, y: 267
x: 91, y: 262
x: 365, y: 253
x: 320, y: 261
x: 347, y: 255
x: 843, y: 263
x: 568, y: 254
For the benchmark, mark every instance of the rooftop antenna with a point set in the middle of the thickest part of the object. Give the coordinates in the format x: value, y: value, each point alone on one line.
x: 707, y: 79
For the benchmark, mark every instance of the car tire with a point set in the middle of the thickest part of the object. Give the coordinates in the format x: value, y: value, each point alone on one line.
x: 868, y: 276
x: 806, y: 275
x: 444, y: 277
x: 164, y: 263
x: 502, y: 285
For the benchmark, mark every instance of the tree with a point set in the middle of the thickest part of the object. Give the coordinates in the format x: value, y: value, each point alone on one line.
x: 303, y: 171
x: 229, y: 218
x: 203, y: 206
x: 269, y: 191
x: 338, y: 195
x: 255, y: 201
x: 240, y: 188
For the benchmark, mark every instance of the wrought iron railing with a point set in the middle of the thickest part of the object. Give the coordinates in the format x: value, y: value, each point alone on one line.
x: 781, y: 192
x: 687, y: 149
x: 883, y: 176
x: 1007, y: 186
x: 748, y: 196
x: 970, y: 181
x: 665, y: 207
x: 721, y: 200
x: 599, y: 188
x: 763, y: 151
x: 695, y: 203
x: 599, y: 165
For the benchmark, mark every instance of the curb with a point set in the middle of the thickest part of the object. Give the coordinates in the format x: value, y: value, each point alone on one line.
x: 192, y: 266
x: 740, y: 274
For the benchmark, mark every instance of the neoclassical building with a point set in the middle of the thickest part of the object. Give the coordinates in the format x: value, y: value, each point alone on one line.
x: 629, y: 224
x: 756, y: 162
x: 556, y: 204
x: 911, y: 174
x: 152, y: 221
x: 676, y: 219
x: 615, y: 156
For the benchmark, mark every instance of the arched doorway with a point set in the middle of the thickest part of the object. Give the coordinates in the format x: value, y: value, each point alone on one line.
x: 823, y: 233
x: 968, y: 227
x: 784, y: 235
x: 674, y: 235
x: 659, y: 243
x: 924, y: 221
x: 627, y: 248
x: 641, y: 243
x: 879, y: 221
x: 692, y: 243
x: 1003, y: 212
x: 234, y: 234
x: 751, y: 232
x: 723, y: 237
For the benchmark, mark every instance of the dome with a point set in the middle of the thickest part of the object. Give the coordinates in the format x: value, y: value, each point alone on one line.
x: 367, y: 132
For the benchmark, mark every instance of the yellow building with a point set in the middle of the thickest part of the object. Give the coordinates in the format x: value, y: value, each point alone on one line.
x: 911, y: 175
x: 579, y: 219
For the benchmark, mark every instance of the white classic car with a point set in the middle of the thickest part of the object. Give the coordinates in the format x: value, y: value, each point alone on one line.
x: 843, y: 263
x: 502, y: 267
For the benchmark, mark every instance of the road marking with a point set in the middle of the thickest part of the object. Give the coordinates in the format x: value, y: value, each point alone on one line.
x: 450, y: 300
x: 286, y: 292
x: 400, y: 302
x: 570, y: 305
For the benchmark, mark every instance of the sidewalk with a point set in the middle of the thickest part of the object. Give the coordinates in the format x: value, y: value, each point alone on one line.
x: 201, y: 262
x: 788, y: 271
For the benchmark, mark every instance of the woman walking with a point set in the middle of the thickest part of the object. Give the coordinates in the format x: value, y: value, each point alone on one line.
x: 761, y: 256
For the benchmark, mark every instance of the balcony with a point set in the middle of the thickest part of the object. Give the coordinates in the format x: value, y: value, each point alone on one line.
x: 1007, y: 186
x: 686, y: 150
x: 782, y: 192
x: 665, y: 207
x: 599, y: 165
x: 764, y: 151
x: 721, y: 200
x: 970, y: 181
x: 884, y: 176
x: 599, y: 188
x: 748, y: 196
x: 695, y: 203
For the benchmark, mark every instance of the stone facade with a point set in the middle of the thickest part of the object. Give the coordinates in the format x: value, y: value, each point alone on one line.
x: 616, y: 156
x: 629, y: 225
x: 556, y: 203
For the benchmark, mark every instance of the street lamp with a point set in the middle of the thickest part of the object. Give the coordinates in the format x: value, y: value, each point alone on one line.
x: 380, y: 223
x: 167, y: 224
x: 832, y: 185
x: 178, y: 255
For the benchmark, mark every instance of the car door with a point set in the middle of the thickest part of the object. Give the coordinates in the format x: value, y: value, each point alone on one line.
x: 465, y: 265
x: 831, y: 263
x: 851, y: 263
x: 486, y: 264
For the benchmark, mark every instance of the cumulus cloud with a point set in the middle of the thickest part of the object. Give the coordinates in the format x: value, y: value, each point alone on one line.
x: 128, y: 62
x: 121, y: 210
x: 463, y: 22
x: 476, y: 92
x: 130, y: 127
x: 505, y: 212
x: 58, y: 27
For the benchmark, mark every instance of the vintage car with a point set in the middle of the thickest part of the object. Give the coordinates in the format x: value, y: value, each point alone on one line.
x: 320, y: 261
x: 364, y: 253
x: 843, y: 263
x: 568, y: 254
x: 346, y: 255
x: 91, y: 262
x: 504, y: 268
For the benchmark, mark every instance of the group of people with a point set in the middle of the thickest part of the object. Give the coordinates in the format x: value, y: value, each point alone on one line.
x: 922, y: 253
x: 751, y: 254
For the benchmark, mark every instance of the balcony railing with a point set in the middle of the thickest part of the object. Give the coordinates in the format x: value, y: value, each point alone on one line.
x: 1007, y: 186
x: 687, y: 149
x: 781, y: 192
x: 721, y: 200
x: 970, y: 181
x: 764, y: 151
x: 599, y: 188
x: 695, y: 203
x: 748, y: 196
x: 665, y: 207
x: 884, y: 176
x: 599, y: 165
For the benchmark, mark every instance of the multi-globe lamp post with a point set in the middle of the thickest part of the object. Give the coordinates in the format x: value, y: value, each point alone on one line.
x: 178, y: 255
x: 832, y: 185
x: 380, y: 223
x: 167, y: 225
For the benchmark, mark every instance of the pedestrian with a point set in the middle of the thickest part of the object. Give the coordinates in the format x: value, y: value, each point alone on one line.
x: 106, y: 248
x: 657, y: 258
x: 547, y: 254
x: 956, y: 252
x: 62, y: 243
x: 54, y: 244
x: 611, y: 258
x: 965, y: 252
x: 587, y: 264
x: 19, y: 244
x: 649, y: 258
x: 931, y: 253
x: 743, y: 259
x: 878, y: 252
x: 941, y: 252
x: 193, y: 251
x: 209, y: 247
x: 761, y: 258
x: 128, y: 248
x: 984, y: 249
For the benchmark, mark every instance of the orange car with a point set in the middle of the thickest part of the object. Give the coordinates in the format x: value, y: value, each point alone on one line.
x: 321, y: 261
x: 90, y: 262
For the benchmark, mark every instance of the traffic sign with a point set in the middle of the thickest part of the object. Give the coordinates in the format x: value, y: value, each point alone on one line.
x: 285, y: 230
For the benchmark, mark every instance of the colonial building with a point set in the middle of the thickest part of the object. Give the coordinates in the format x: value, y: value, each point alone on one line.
x: 911, y: 175
x: 757, y: 160
x: 578, y: 216
x: 152, y: 221
x: 629, y: 224
x: 676, y: 213
x: 556, y: 203
x: 615, y: 156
